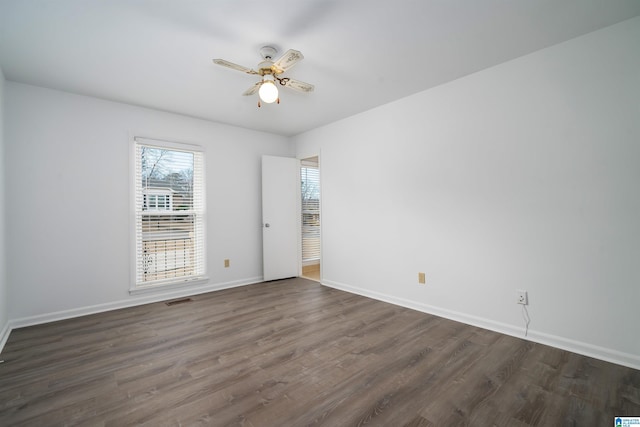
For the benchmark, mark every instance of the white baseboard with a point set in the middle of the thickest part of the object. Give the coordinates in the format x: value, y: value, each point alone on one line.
x: 131, y: 302
x: 586, y: 349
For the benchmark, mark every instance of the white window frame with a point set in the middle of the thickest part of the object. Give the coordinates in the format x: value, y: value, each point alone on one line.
x: 137, y: 207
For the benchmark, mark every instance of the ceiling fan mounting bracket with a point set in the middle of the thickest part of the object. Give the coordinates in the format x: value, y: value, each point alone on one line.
x: 268, y: 52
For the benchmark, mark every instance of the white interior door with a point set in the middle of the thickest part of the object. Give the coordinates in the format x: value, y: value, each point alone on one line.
x: 280, y: 217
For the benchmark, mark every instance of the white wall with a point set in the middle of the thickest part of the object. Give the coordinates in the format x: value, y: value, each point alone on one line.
x: 4, y: 317
x: 68, y: 200
x: 522, y: 176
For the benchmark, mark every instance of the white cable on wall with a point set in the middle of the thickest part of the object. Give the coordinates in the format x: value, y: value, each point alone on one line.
x: 527, y: 319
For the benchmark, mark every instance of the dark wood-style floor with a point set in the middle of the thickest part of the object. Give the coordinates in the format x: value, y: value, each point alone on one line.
x: 296, y: 353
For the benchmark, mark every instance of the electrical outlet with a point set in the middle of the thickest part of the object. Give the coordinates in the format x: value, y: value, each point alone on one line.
x: 226, y: 263
x: 421, y: 278
x: 522, y: 297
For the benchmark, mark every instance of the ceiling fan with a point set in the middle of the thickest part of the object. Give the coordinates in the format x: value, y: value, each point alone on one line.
x: 270, y: 73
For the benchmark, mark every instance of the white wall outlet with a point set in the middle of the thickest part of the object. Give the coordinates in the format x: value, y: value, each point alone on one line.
x: 522, y: 297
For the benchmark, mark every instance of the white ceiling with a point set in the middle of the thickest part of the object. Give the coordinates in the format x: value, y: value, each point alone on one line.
x: 358, y: 53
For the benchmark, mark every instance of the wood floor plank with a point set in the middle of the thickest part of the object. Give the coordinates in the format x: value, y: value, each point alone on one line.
x: 296, y: 353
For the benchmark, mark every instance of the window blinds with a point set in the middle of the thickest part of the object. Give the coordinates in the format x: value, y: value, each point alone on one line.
x: 169, y: 210
x: 310, y: 177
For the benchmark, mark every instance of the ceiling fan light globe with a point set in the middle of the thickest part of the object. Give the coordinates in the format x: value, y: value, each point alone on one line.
x: 268, y: 92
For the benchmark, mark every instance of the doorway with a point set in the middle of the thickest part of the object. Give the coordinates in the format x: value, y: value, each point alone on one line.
x: 310, y: 221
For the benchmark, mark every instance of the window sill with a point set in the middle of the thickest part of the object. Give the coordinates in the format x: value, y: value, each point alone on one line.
x: 164, y: 286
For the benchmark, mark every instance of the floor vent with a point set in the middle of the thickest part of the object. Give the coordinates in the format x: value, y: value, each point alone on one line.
x: 178, y: 301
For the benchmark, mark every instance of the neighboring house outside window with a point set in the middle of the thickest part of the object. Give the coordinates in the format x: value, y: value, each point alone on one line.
x: 157, y: 199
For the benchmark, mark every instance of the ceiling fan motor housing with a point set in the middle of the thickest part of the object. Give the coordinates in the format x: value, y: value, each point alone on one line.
x: 265, y: 68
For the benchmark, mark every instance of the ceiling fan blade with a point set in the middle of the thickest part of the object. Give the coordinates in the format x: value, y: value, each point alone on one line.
x: 288, y: 60
x: 298, y: 85
x: 233, y: 66
x: 253, y: 89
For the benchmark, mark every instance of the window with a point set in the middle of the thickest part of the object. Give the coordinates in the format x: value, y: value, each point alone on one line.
x: 169, y: 213
x: 310, y: 178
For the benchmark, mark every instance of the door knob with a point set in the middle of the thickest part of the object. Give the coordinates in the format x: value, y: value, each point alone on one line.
x: 267, y: 225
